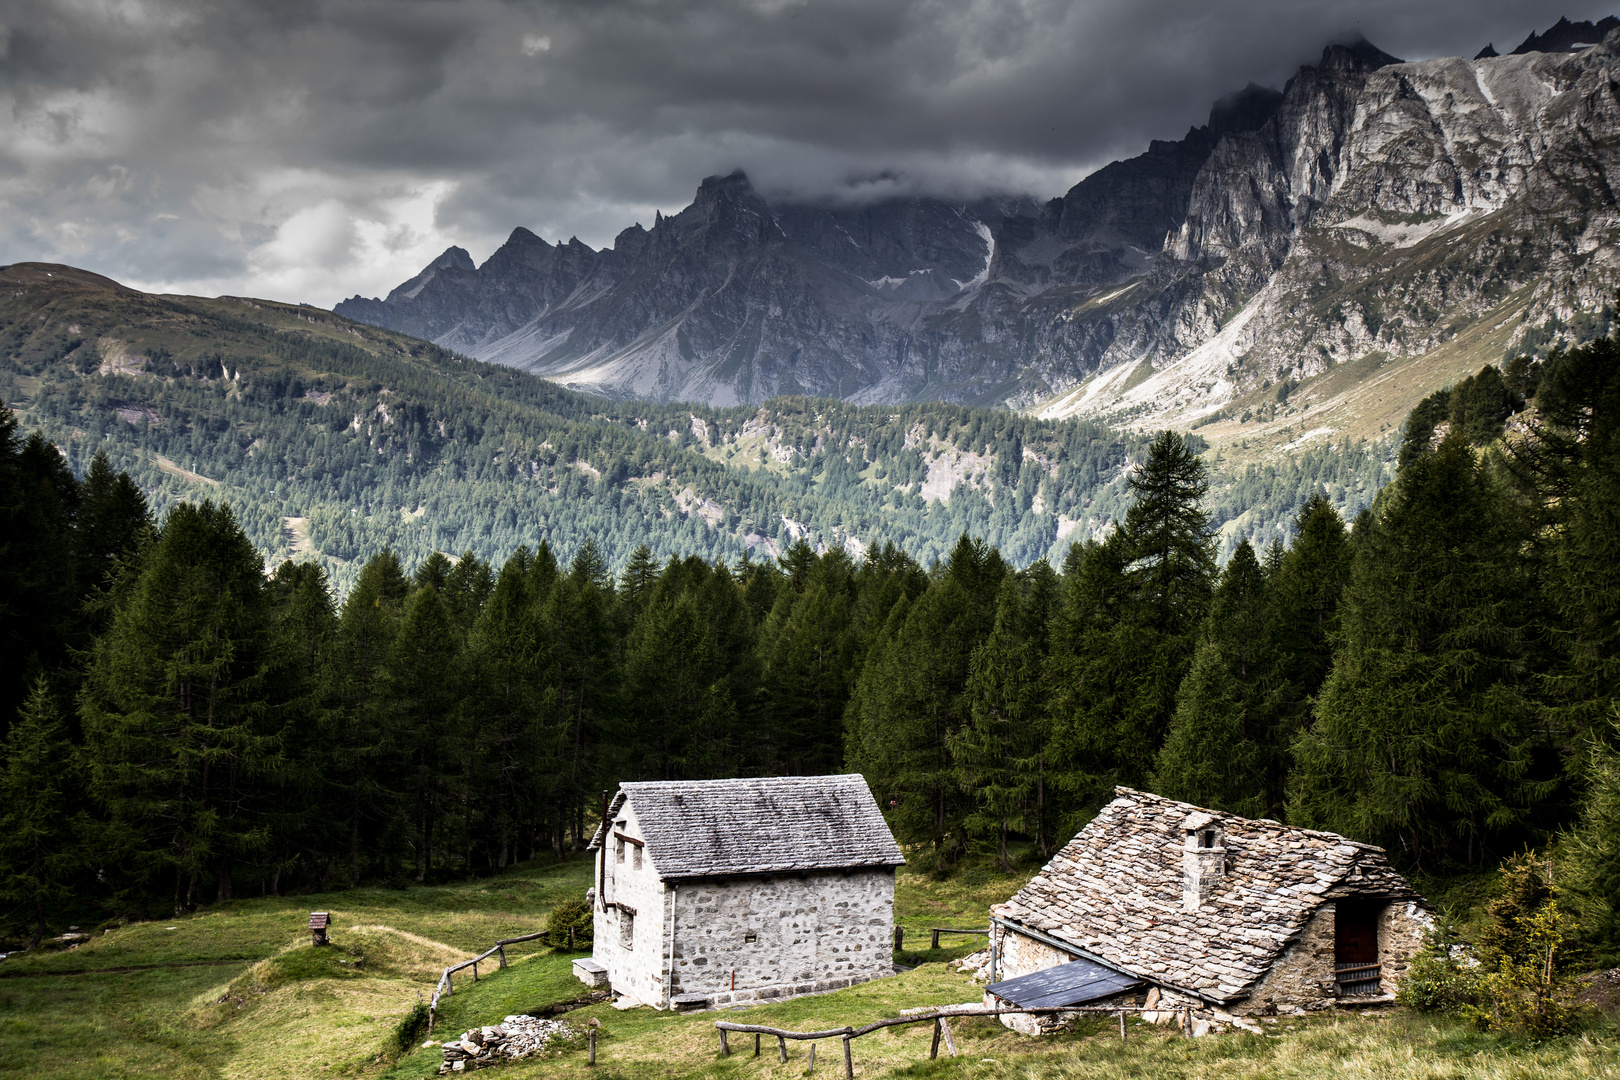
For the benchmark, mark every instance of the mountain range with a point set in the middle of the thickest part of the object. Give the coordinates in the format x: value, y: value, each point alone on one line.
x: 1304, y: 266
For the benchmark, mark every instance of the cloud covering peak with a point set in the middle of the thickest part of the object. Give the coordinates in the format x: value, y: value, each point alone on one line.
x: 309, y: 149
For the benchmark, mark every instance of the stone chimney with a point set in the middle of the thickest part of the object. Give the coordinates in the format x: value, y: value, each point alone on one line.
x: 1203, y: 857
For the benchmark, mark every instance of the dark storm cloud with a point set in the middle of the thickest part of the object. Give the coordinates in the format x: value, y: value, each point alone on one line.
x: 310, y: 149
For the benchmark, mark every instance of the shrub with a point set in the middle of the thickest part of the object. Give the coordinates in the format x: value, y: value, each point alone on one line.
x: 1444, y: 975
x: 412, y: 1025
x: 569, y: 915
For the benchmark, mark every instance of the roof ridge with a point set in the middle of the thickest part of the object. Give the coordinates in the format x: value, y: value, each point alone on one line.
x: 1121, y: 791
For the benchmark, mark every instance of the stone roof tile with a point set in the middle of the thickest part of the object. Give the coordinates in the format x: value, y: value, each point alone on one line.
x: 759, y: 825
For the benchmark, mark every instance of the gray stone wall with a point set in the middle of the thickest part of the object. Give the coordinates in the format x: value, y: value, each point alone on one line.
x: 1301, y: 978
x: 1401, y: 927
x: 1019, y: 955
x: 746, y: 939
x: 824, y: 931
x: 638, y: 972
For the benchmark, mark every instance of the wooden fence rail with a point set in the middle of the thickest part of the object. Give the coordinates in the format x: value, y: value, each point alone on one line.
x: 444, y: 987
x: 940, y: 1020
x: 900, y: 935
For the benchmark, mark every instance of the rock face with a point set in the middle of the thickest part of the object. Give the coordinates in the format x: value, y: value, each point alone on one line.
x: 1371, y: 206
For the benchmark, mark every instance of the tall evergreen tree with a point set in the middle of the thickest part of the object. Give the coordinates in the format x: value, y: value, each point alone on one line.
x: 422, y: 696
x: 1425, y: 739
x: 1223, y: 735
x: 999, y: 754
x: 367, y: 629
x: 175, y: 701
x: 37, y: 800
x: 912, y: 699
x: 1131, y: 613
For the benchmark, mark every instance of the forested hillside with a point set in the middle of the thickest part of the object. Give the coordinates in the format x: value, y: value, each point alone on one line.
x: 331, y: 440
x: 1440, y: 680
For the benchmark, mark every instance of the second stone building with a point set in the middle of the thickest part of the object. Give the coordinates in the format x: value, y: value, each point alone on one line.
x: 710, y: 892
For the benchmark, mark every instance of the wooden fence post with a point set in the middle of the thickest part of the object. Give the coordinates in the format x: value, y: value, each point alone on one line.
x: 899, y: 937
x: 503, y: 955
x: 592, y: 1060
x: 475, y: 971
x: 812, y: 1068
x: 933, y: 1047
x: 950, y: 1041
x: 1122, y: 1025
x: 849, y: 1062
x: 756, y: 1046
x: 935, y: 943
x: 725, y: 1050
x: 781, y: 1049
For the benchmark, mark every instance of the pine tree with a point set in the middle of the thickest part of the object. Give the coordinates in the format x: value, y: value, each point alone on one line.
x: 37, y: 789
x: 175, y: 702
x: 1222, y: 738
x: 367, y: 629
x: 111, y: 517
x: 1425, y: 739
x: 306, y: 724
x: 998, y: 754
x: 912, y: 699
x: 421, y: 695
x: 1132, y: 609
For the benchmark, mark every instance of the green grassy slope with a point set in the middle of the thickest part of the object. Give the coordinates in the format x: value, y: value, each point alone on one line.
x: 235, y: 992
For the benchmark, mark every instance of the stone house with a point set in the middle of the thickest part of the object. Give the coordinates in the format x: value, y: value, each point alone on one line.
x: 1162, y: 903
x: 710, y: 892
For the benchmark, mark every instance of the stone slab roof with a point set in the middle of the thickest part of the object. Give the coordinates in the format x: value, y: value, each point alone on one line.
x: 763, y: 825
x: 1115, y: 891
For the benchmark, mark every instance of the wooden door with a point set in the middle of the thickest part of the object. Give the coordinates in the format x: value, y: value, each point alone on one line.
x: 1355, y: 947
x: 1356, y: 937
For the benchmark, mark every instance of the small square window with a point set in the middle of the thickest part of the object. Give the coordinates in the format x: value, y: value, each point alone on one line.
x: 750, y: 937
x: 618, y: 850
x: 635, y: 859
x: 627, y: 930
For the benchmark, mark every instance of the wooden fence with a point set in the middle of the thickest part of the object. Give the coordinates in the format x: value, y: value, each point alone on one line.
x: 900, y: 935
x: 444, y: 987
x: 940, y: 1020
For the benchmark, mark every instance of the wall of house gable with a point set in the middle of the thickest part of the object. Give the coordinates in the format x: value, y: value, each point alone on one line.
x: 1401, y: 927
x: 1303, y: 976
x: 639, y: 971
x: 820, y: 932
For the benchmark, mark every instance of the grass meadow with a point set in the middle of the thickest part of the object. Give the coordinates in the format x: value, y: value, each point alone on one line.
x: 235, y: 992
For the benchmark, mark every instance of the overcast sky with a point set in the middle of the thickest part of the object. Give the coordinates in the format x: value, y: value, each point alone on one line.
x: 307, y: 150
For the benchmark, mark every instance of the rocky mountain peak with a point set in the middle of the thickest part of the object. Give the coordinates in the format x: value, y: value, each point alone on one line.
x: 1564, y: 35
x: 1358, y: 55
x: 454, y: 258
x: 1246, y: 110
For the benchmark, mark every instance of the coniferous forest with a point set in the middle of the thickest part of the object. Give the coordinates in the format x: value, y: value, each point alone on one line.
x: 1438, y: 676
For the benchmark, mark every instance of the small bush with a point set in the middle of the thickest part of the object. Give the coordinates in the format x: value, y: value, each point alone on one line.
x: 1443, y: 976
x: 1513, y: 978
x: 572, y: 915
x: 412, y: 1026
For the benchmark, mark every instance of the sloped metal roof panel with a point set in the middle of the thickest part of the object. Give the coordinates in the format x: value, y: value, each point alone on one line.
x: 1074, y: 983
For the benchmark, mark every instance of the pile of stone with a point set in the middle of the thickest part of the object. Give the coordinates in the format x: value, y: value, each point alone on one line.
x: 514, y: 1037
x: 975, y: 966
